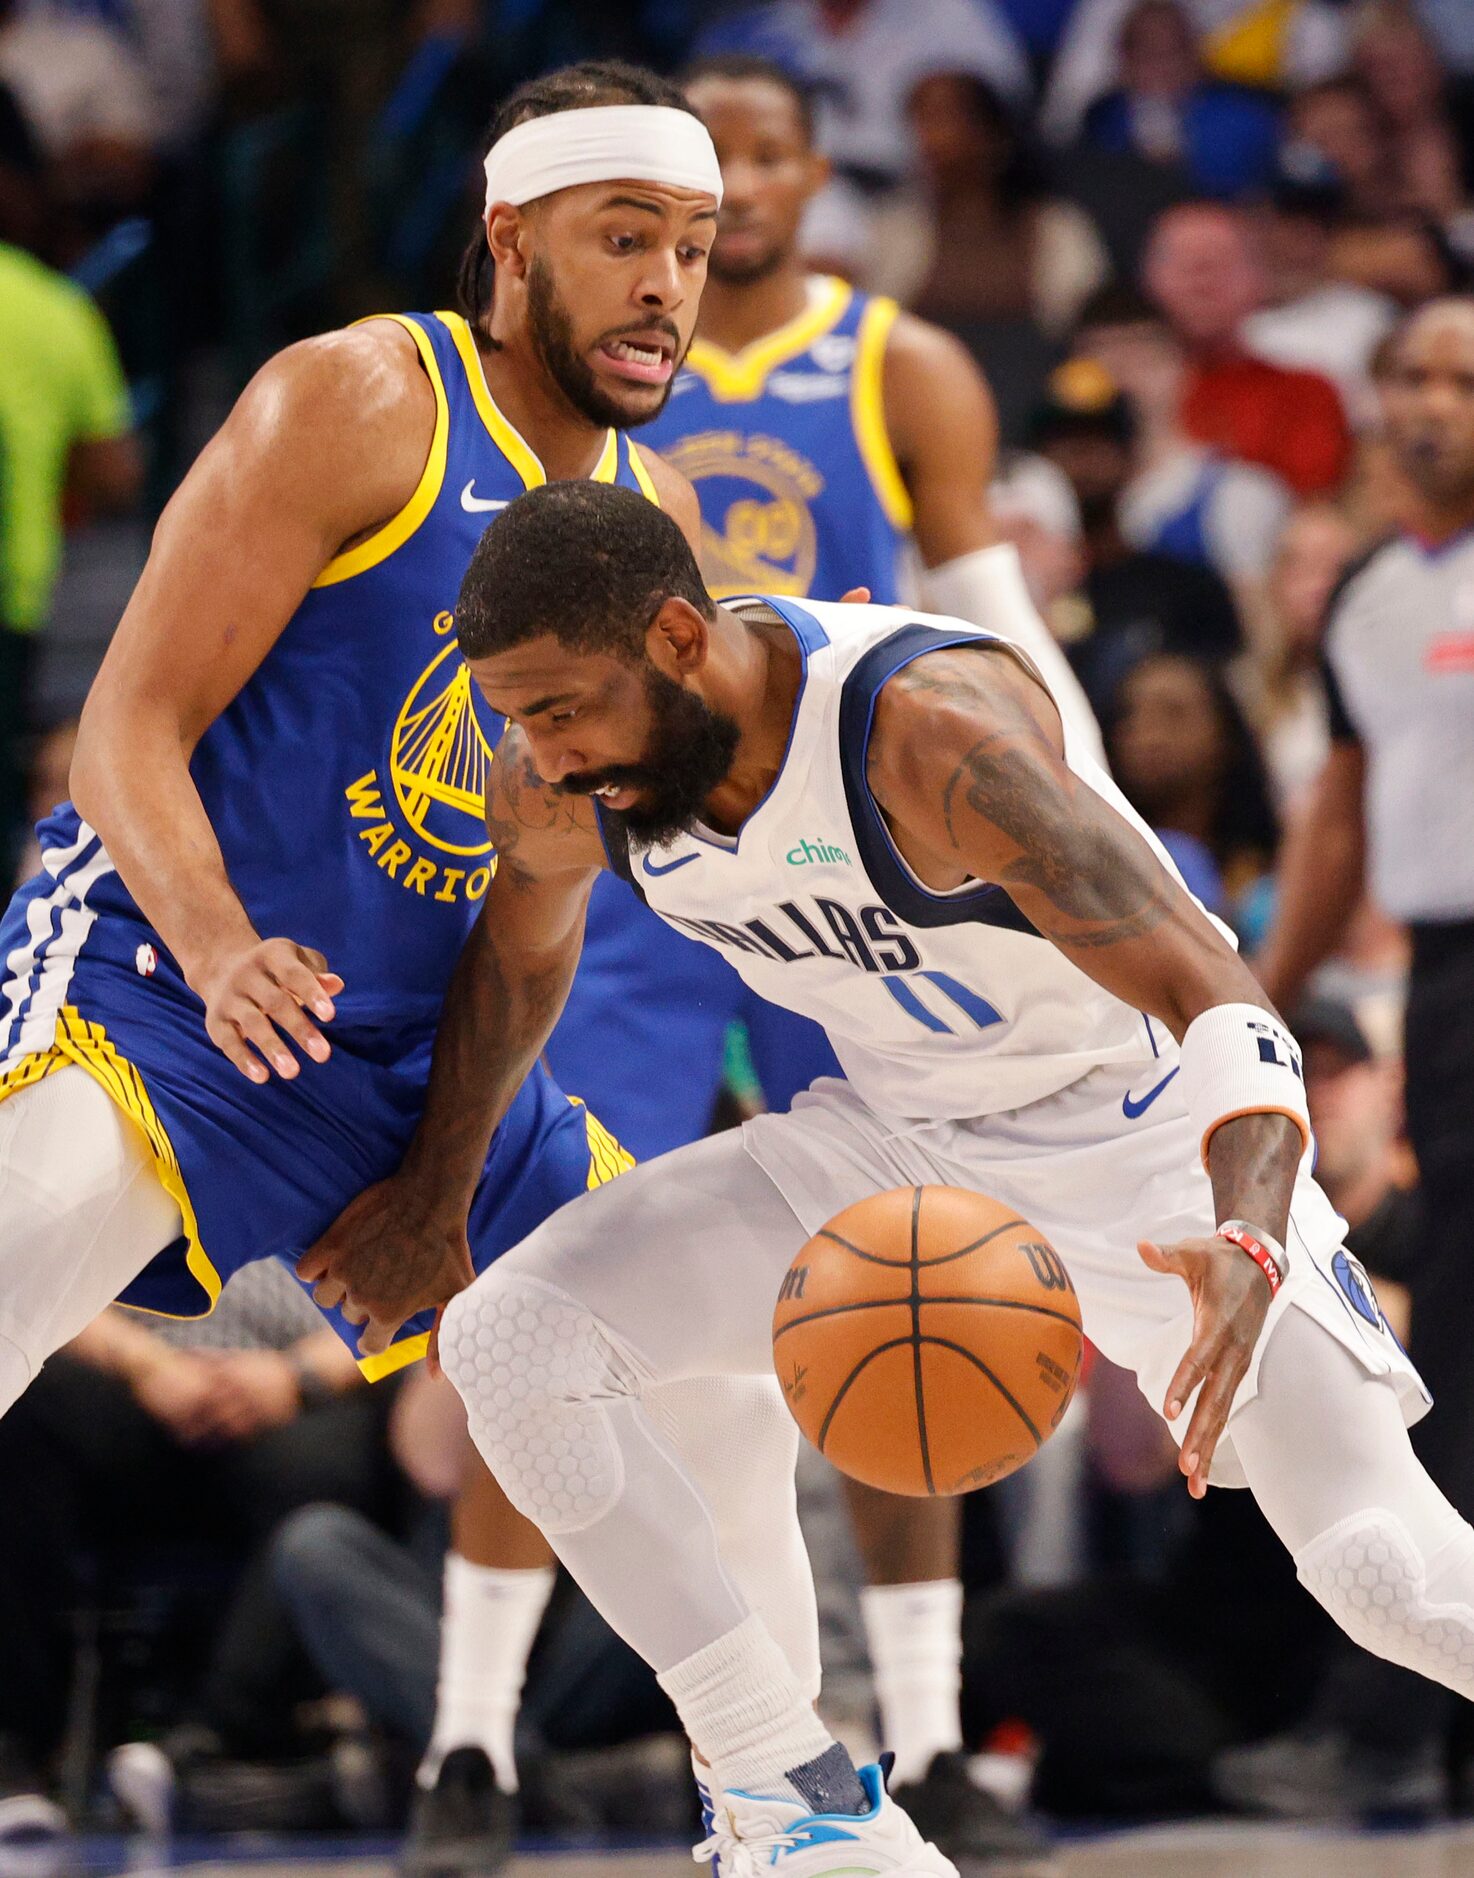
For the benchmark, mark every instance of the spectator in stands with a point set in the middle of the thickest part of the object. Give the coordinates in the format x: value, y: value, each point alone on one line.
x: 1314, y: 550
x: 980, y: 191
x: 861, y: 58
x: 1341, y: 122
x: 1310, y: 319
x: 1137, y: 601
x: 1168, y: 110
x: 1202, y: 269
x: 1187, y: 760
x: 86, y: 96
x: 141, y: 1435
x: 1183, y: 499
x: 1131, y: 1694
x: 64, y: 433
x: 1308, y: 42
x: 1432, y: 146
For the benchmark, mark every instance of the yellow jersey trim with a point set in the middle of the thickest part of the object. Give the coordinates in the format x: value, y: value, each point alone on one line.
x: 735, y: 377
x: 641, y: 473
x: 89, y: 1047
x: 867, y: 410
x: 393, y: 535
x: 398, y: 1356
x: 500, y: 428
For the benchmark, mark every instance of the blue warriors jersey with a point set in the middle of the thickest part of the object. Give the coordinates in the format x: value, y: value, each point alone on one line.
x: 346, y: 785
x: 786, y: 444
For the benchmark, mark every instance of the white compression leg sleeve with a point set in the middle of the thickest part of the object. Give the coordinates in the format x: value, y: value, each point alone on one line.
x: 740, y: 1444
x: 82, y: 1212
x: 566, y: 1352
x: 1325, y: 1451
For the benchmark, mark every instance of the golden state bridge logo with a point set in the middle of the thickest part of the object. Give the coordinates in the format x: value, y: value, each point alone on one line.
x: 432, y: 840
x: 757, y: 529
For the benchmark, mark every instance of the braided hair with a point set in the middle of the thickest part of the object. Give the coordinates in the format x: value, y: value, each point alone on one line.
x: 574, y: 88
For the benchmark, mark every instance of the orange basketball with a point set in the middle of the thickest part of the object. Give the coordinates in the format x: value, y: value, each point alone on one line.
x: 928, y: 1340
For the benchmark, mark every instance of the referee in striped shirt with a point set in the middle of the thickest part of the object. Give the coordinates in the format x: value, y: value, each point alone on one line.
x: 1395, y: 807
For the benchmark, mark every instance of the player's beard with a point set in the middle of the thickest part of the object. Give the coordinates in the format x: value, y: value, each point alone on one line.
x: 551, y: 327
x: 689, y: 752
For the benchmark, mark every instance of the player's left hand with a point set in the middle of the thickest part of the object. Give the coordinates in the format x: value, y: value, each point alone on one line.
x: 386, y: 1258
x: 1230, y: 1303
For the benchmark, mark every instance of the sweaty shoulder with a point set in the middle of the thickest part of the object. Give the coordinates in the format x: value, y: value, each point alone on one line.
x: 537, y: 830
x: 677, y: 497
x: 343, y: 423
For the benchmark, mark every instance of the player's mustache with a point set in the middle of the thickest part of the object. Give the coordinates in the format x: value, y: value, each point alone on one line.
x: 667, y: 329
x: 583, y: 782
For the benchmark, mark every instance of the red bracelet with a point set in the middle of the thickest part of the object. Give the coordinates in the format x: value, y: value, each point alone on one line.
x: 1264, y: 1256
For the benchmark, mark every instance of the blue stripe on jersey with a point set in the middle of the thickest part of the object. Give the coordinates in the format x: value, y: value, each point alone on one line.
x: 889, y: 875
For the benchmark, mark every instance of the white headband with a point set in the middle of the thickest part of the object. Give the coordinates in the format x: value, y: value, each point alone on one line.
x: 603, y: 143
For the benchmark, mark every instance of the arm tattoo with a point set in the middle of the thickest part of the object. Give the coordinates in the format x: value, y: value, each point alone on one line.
x: 1105, y: 888
x: 519, y: 803
x: 1110, y: 889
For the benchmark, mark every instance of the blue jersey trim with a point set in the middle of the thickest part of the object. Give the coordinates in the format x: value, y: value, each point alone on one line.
x: 891, y: 879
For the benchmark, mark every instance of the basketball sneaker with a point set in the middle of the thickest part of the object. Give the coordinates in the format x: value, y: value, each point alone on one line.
x: 463, y: 1826
x: 758, y: 1834
x: 980, y: 1836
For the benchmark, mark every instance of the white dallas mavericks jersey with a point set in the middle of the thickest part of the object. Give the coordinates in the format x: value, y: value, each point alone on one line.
x: 938, y: 1005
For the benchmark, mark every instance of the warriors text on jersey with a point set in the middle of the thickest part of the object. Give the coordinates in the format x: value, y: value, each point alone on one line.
x: 345, y: 784
x: 787, y: 447
x: 941, y: 1005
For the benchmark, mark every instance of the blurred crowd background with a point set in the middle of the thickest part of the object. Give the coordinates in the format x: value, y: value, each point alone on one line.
x: 1177, y: 235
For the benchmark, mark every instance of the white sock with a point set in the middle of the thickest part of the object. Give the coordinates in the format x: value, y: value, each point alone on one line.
x: 487, y: 1630
x: 915, y: 1638
x: 745, y: 1713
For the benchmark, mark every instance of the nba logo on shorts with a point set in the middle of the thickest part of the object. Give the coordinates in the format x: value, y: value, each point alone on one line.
x: 147, y: 960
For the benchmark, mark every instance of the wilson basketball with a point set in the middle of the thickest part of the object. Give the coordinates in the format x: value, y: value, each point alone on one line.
x: 928, y: 1340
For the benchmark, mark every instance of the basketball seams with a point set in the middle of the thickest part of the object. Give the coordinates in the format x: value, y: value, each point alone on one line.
x: 916, y: 1373
x: 890, y: 1304
x: 961, y: 1349
x: 945, y: 1258
x: 1011, y: 1374
x: 896, y: 1343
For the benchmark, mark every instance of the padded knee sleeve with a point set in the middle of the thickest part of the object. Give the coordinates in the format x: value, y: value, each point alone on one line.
x: 538, y: 1374
x: 1375, y: 1580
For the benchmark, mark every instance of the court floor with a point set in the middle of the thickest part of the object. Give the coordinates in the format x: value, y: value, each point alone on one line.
x: 1211, y: 1850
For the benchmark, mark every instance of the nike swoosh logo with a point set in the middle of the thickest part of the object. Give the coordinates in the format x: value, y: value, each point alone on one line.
x: 1132, y: 1109
x: 670, y: 866
x: 478, y: 505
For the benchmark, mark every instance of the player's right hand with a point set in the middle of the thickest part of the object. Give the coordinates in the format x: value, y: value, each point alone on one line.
x: 256, y: 998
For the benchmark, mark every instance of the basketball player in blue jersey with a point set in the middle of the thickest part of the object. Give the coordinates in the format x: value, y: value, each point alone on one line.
x: 832, y: 441
x: 1027, y: 1002
x: 220, y: 994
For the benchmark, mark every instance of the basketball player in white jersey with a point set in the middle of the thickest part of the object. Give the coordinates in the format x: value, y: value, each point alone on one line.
x: 1025, y: 1000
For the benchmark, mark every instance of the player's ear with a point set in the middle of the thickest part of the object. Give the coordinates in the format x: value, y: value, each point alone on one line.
x: 678, y: 638
x: 506, y: 236
x: 820, y: 171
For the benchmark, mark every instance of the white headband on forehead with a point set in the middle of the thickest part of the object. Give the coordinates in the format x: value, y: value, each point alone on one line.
x: 602, y: 143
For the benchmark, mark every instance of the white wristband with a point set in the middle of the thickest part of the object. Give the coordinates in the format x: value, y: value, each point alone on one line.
x: 1238, y: 1059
